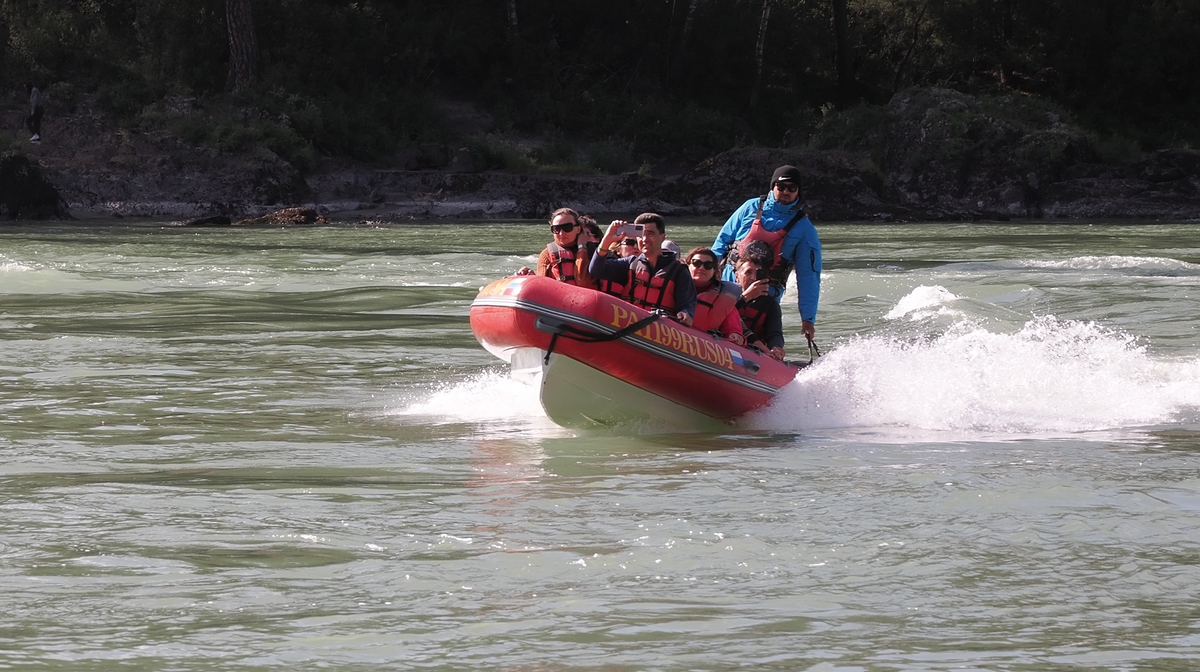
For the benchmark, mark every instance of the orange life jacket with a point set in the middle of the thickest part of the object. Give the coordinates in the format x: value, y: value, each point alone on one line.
x: 562, y: 263
x: 714, y: 304
x: 653, y: 291
x: 781, y: 268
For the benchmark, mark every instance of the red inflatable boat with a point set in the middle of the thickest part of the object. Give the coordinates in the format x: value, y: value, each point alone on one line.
x: 599, y: 360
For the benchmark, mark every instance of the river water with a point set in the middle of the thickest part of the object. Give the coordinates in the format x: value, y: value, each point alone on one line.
x: 250, y: 449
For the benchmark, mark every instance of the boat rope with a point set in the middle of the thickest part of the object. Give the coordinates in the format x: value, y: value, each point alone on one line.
x: 558, y: 328
x: 813, y: 353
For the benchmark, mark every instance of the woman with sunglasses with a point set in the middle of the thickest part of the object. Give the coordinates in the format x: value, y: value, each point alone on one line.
x: 716, y: 301
x: 566, y: 258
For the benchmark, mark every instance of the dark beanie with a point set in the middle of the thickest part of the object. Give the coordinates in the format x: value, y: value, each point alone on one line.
x: 786, y: 174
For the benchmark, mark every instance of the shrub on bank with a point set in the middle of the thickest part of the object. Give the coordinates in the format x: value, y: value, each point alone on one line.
x: 938, y: 130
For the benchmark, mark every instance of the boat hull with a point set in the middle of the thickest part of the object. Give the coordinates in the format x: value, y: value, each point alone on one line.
x: 663, y: 371
x: 576, y: 395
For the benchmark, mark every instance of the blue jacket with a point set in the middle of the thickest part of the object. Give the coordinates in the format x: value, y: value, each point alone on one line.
x: 801, y: 247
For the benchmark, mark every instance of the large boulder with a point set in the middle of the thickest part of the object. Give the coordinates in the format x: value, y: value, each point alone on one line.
x: 937, y: 154
x: 25, y: 193
x: 427, y: 156
x: 942, y: 150
x: 100, y: 167
x: 1162, y: 185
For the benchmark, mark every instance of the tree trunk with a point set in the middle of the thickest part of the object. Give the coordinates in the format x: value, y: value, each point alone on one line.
x: 679, y: 52
x: 845, y: 62
x: 243, y: 46
x: 758, y: 54
x: 687, y: 25
x: 512, y: 19
x: 912, y: 45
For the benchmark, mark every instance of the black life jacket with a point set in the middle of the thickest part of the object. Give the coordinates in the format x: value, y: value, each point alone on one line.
x: 754, y: 320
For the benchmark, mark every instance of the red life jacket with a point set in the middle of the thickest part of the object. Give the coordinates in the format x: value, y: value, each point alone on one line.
x: 610, y: 287
x: 780, y: 268
x: 753, y: 320
x: 562, y: 263
x: 653, y: 291
x: 714, y: 304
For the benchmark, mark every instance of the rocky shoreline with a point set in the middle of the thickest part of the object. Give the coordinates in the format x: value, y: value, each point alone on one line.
x: 929, y: 156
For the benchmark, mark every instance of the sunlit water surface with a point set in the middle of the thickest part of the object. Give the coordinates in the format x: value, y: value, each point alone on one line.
x: 250, y: 449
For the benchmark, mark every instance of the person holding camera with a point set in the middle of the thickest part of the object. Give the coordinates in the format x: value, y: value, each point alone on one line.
x: 626, y: 247
x: 654, y: 279
x: 778, y: 220
x: 762, y: 319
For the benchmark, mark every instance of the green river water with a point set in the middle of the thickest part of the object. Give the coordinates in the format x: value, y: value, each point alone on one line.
x: 254, y: 449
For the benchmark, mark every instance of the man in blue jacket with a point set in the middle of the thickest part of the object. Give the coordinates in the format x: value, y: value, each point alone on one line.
x: 779, y: 220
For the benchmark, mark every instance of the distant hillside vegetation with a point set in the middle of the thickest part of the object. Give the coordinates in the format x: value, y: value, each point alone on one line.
x: 604, y: 87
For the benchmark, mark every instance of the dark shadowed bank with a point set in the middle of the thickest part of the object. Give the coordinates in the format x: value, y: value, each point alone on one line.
x: 928, y: 155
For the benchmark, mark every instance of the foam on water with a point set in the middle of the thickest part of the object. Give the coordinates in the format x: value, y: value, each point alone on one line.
x: 490, y: 396
x: 1150, y: 265
x: 1049, y: 376
x: 924, y: 301
x: 18, y: 277
x: 8, y: 266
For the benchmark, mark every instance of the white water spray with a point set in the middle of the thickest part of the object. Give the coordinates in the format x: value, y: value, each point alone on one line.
x: 1050, y: 376
x: 490, y: 396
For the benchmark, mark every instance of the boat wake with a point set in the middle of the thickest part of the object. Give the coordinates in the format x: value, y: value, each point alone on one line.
x: 488, y: 397
x: 938, y: 366
x: 1049, y: 376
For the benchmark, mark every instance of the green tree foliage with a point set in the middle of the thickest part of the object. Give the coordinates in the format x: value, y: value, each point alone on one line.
x: 357, y: 77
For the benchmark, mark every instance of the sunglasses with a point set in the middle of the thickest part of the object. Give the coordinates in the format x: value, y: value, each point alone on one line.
x: 562, y: 228
x: 787, y: 188
x: 706, y: 265
x: 632, y: 242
